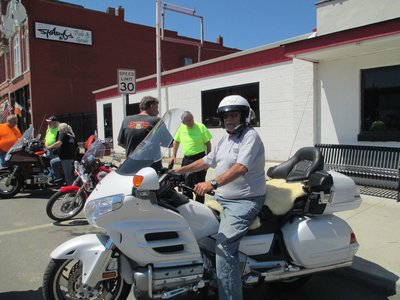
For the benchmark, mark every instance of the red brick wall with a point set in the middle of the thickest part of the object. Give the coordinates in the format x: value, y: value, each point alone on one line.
x: 63, y: 75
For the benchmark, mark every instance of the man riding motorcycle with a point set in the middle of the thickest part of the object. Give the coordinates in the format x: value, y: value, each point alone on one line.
x: 239, y: 159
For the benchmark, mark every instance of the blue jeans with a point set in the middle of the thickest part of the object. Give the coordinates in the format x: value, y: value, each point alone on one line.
x: 236, y: 219
x: 66, y: 165
x: 2, y: 159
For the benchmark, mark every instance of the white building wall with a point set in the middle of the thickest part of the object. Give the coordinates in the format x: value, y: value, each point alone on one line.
x: 117, y: 109
x: 340, y: 98
x: 338, y: 15
x: 282, y: 109
x: 303, y: 105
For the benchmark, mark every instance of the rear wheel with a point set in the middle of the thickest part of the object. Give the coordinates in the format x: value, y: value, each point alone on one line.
x: 63, y: 280
x: 64, y: 206
x: 10, y: 185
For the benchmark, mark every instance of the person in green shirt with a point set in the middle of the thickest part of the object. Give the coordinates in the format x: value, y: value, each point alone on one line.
x: 195, y: 139
x: 51, y: 132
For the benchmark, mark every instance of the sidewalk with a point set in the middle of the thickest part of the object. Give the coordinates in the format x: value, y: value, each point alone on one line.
x: 376, y: 224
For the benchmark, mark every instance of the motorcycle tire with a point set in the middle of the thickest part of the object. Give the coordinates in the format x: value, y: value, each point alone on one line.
x: 62, y: 280
x: 66, y: 211
x: 13, y: 188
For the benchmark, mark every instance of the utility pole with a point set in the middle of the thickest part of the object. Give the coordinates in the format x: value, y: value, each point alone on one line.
x: 158, y: 53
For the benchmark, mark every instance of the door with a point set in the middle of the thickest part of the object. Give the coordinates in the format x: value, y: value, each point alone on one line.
x: 108, y: 130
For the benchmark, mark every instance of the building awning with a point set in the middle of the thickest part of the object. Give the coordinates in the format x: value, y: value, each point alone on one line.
x: 374, y: 38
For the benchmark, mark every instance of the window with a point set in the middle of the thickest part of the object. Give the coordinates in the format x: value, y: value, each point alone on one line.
x: 380, y: 104
x: 2, y: 68
x: 26, y: 49
x: 132, y: 109
x: 211, y: 98
x: 187, y: 61
x: 17, y: 56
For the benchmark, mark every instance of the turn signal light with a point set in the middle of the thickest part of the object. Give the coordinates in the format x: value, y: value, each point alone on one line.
x: 353, y: 238
x: 137, y: 180
x: 108, y: 275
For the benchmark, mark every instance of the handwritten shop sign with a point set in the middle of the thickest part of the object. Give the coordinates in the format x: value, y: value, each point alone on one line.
x: 63, y: 34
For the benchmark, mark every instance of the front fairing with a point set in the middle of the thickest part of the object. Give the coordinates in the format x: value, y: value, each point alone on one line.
x: 112, y: 184
x: 120, y: 182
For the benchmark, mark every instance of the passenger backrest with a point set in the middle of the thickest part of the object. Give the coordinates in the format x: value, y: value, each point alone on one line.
x: 300, y: 166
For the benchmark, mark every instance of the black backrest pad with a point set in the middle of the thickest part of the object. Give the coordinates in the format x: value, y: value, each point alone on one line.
x: 303, y: 163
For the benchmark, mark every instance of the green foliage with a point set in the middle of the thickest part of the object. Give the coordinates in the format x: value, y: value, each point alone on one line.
x: 377, y: 126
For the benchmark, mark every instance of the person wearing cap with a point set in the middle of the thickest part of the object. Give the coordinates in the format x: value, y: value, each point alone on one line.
x: 51, y: 131
x: 9, y: 135
x: 51, y: 135
x: 195, y: 139
x: 239, y: 185
x: 135, y: 128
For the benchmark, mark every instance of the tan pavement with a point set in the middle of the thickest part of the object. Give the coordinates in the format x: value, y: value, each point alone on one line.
x: 376, y: 224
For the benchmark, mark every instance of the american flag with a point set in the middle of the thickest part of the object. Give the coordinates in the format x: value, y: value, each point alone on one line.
x: 7, y: 111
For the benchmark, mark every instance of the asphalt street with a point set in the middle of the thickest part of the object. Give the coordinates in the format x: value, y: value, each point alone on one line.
x: 27, y: 236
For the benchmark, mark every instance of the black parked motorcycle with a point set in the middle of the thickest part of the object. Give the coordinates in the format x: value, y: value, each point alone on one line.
x: 27, y: 166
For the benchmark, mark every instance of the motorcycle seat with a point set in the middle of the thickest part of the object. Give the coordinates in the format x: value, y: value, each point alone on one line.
x: 279, y: 198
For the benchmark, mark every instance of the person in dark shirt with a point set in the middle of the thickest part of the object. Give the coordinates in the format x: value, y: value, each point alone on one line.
x: 67, y: 149
x: 136, y: 127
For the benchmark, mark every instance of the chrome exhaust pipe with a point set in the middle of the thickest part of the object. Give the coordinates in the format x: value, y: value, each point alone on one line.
x: 275, y: 275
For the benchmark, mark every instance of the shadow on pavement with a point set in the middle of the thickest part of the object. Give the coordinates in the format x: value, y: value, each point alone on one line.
x: 33, y: 194
x: 375, y: 274
x: 73, y: 222
x: 22, y: 295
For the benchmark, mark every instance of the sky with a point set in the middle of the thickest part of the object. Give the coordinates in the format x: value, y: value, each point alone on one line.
x: 242, y: 24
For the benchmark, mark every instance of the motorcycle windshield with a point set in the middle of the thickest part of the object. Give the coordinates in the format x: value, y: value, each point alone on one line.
x: 96, y: 150
x: 26, y: 137
x: 153, y: 148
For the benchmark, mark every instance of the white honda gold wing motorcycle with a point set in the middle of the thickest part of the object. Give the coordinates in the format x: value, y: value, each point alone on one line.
x: 162, y: 244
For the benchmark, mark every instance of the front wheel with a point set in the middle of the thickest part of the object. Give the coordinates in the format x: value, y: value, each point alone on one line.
x: 63, y: 206
x: 62, y: 280
x: 10, y: 185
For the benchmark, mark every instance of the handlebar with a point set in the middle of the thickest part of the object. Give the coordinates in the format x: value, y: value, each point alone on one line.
x: 179, y: 180
x: 186, y: 187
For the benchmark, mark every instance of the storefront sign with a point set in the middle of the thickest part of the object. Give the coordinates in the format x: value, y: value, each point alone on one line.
x: 63, y: 34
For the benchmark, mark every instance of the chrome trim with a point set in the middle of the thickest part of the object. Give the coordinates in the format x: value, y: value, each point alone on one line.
x: 174, y: 293
x: 150, y: 280
x: 287, y: 273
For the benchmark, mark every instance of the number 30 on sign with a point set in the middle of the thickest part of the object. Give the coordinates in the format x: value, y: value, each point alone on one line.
x: 126, y: 81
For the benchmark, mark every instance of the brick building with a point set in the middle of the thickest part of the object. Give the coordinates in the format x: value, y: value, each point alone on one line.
x: 52, y: 61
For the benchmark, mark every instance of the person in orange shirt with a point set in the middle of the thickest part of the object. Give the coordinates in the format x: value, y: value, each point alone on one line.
x: 9, y: 135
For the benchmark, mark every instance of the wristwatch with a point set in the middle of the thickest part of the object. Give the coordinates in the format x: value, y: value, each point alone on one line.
x: 214, y: 183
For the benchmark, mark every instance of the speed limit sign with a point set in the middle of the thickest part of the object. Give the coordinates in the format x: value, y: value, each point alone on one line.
x: 126, y: 81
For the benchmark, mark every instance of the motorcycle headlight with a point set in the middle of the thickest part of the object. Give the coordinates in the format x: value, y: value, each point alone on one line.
x: 99, y: 207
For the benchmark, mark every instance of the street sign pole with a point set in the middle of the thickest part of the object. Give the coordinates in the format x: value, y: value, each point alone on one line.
x: 126, y: 85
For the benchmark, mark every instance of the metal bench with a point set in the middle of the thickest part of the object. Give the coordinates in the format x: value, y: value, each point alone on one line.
x: 367, y: 165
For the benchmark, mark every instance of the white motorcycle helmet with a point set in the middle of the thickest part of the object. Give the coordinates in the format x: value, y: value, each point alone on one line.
x: 236, y: 103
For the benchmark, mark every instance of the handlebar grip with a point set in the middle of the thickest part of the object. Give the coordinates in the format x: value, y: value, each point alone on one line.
x: 171, y: 165
x: 211, y: 193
